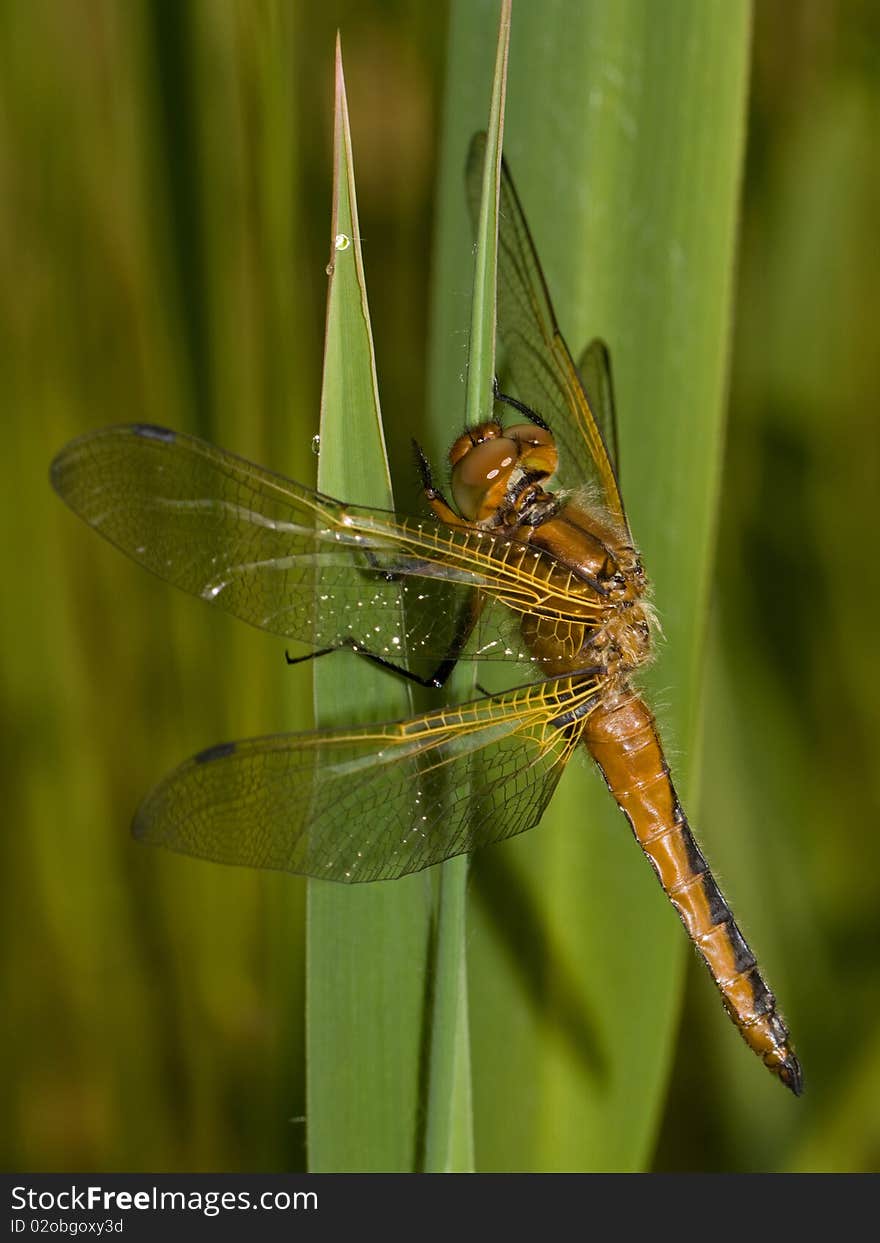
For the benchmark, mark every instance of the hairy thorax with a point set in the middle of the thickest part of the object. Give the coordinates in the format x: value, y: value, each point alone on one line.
x: 616, y: 633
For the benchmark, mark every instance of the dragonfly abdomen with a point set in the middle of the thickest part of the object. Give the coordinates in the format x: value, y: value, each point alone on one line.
x: 623, y: 740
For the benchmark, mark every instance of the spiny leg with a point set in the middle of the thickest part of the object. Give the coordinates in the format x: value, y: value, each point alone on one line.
x: 433, y: 682
x: 505, y: 399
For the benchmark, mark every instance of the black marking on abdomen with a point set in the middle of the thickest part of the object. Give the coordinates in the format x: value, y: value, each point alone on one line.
x: 217, y: 752
x: 695, y: 858
x: 719, y: 911
x: 763, y: 1000
x: 743, y: 958
x: 151, y: 431
x: 778, y: 1030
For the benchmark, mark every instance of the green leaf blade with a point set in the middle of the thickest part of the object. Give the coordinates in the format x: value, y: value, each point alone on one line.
x: 367, y: 946
x: 625, y: 136
x: 449, y: 1134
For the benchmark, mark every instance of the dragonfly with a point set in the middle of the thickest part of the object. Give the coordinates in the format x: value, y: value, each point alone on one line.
x: 509, y: 569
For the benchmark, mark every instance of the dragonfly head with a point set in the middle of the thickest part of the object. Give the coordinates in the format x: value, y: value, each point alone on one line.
x: 488, y: 461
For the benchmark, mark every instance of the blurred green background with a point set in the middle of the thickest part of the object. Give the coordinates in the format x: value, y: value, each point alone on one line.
x: 164, y: 206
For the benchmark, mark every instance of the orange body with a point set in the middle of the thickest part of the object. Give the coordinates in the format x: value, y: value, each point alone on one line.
x: 622, y: 738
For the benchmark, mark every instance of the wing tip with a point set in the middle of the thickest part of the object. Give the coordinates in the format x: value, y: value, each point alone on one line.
x: 219, y: 751
x: 152, y: 431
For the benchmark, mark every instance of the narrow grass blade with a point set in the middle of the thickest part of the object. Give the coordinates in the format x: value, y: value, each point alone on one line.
x: 449, y: 1136
x: 367, y: 945
x: 481, y: 342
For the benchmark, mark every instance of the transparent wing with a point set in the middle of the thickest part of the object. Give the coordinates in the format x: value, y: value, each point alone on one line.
x: 594, y: 366
x: 376, y: 802
x: 538, y: 359
x: 296, y: 563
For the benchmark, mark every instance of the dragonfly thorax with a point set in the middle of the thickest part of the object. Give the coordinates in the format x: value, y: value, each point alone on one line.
x: 623, y: 641
x: 594, y: 559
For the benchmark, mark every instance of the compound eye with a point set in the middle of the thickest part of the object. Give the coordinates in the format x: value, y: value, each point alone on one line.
x: 537, y: 448
x: 482, y: 473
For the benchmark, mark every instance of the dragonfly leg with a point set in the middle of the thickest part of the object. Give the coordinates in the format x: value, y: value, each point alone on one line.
x: 433, y: 495
x: 434, y: 681
x: 298, y: 660
x: 505, y: 399
x: 467, y: 619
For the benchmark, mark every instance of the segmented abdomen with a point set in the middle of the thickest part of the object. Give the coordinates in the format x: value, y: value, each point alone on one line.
x: 622, y: 738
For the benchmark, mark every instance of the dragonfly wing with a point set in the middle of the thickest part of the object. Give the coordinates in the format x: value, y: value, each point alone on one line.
x: 539, y: 362
x: 287, y: 559
x: 375, y: 802
x: 594, y: 366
